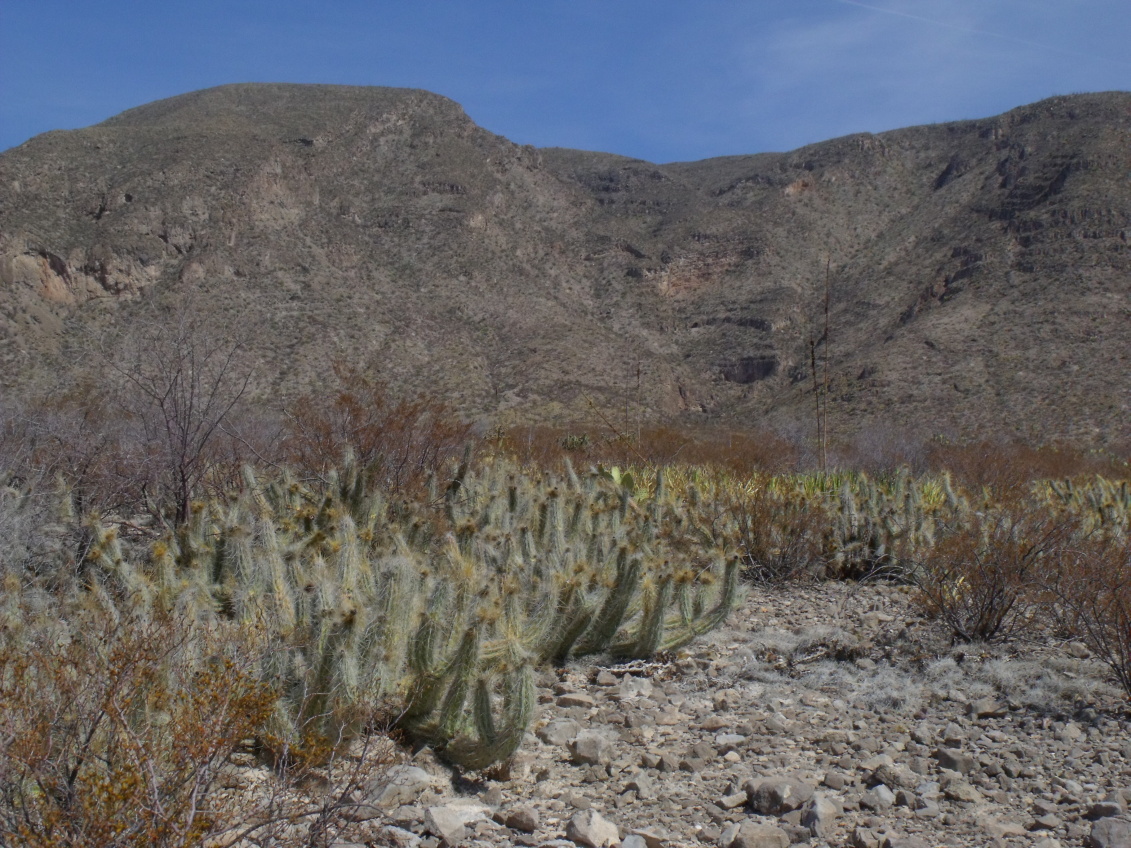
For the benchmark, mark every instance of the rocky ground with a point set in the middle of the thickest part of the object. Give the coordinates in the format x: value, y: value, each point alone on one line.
x: 827, y: 715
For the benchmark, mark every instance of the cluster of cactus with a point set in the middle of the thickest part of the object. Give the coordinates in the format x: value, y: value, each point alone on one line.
x: 443, y: 607
x: 853, y: 525
x: 537, y: 569
x: 885, y: 526
x: 1103, y: 506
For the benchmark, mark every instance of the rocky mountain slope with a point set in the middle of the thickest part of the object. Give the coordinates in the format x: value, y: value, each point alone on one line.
x: 979, y: 273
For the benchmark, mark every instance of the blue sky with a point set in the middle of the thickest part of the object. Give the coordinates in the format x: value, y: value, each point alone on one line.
x: 663, y: 80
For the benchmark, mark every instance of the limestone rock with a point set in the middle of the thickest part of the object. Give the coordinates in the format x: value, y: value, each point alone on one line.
x: 819, y: 813
x: 591, y: 829
x: 450, y: 821
x: 864, y: 837
x: 399, y: 785
x: 949, y: 758
x: 961, y: 790
x: 878, y: 798
x: 1103, y: 810
x: 523, y: 817
x: 750, y: 834
x: 559, y: 731
x: 652, y: 837
x: 591, y: 747
x: 896, y: 840
x: 576, y: 699
x: 894, y: 776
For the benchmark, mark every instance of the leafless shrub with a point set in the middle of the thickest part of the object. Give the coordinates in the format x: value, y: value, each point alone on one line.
x: 29, y: 534
x: 304, y: 805
x: 980, y: 577
x: 177, y: 386
x: 398, y: 443
x: 1092, y: 591
x: 78, y: 433
x: 779, y: 535
x: 1007, y: 468
x: 742, y: 452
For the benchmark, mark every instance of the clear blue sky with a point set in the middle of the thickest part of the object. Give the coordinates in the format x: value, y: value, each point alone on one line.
x: 657, y: 79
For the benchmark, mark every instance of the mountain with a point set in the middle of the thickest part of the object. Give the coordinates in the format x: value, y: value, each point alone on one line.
x: 978, y: 273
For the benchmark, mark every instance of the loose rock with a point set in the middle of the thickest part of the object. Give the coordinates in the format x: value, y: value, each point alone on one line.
x: 591, y: 829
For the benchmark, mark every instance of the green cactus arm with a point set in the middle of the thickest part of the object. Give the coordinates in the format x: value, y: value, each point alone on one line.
x: 571, y: 618
x: 459, y: 674
x: 493, y: 742
x: 649, y: 634
x: 605, y: 624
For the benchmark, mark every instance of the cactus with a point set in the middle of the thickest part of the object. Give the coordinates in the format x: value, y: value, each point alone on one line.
x: 447, y: 608
x: 885, y: 526
x: 1103, y: 506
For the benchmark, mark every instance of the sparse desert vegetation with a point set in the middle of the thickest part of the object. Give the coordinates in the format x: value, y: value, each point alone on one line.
x: 188, y: 585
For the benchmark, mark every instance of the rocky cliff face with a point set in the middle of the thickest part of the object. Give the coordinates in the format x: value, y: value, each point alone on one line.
x: 978, y: 273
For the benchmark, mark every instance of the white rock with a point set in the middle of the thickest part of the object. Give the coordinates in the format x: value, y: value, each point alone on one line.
x: 450, y: 821
x: 399, y: 785
x: 754, y: 835
x: 591, y: 829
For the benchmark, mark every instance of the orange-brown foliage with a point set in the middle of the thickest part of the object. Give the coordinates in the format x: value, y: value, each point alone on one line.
x: 1007, y: 468
x: 115, y: 736
x: 737, y: 451
x: 398, y: 442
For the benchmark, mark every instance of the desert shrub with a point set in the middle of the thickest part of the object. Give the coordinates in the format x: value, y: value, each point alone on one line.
x: 30, y: 536
x: 124, y: 691
x: 145, y: 427
x: 397, y: 443
x: 1008, y: 468
x: 736, y: 452
x: 981, y: 577
x: 83, y: 436
x: 177, y: 383
x: 780, y: 534
x: 1092, y: 590
x: 880, y: 449
x: 116, y: 727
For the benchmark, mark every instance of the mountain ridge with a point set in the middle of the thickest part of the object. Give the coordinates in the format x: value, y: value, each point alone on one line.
x: 978, y: 271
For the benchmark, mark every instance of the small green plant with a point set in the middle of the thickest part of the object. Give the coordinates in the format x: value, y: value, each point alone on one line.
x: 575, y: 442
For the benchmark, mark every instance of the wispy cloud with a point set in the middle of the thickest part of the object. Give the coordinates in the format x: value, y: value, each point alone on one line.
x: 1002, y: 36
x: 871, y: 66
